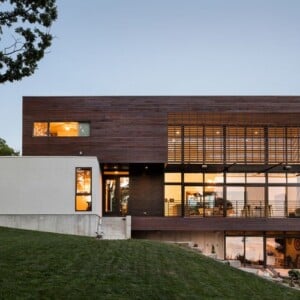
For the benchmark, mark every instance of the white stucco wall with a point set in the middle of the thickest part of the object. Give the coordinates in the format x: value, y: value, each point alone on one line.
x: 45, y: 185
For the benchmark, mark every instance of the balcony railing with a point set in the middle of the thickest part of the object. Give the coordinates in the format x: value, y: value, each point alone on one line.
x: 238, y: 209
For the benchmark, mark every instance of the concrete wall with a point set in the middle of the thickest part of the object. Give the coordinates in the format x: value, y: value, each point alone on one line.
x: 203, y: 240
x: 116, y: 228
x: 85, y: 225
x: 81, y: 224
x: 45, y: 185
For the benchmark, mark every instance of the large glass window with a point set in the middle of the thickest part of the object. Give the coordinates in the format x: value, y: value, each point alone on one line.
x: 214, y: 178
x: 294, y: 201
x: 255, y: 202
x: 194, y: 201
x: 240, y: 195
x: 256, y: 177
x: 275, y: 252
x: 61, y: 129
x: 172, y: 203
x: 83, y: 199
x: 172, y: 177
x: 193, y: 177
x: 248, y: 250
x: 236, y: 200
x: 235, y: 248
x: 235, y: 177
x: 276, y: 207
x: 254, y: 250
x: 276, y: 178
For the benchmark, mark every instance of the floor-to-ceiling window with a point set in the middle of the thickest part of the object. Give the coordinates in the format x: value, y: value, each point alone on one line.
x: 278, y: 250
x: 258, y: 171
x: 256, y: 195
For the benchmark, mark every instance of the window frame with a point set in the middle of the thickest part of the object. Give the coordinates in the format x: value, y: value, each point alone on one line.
x: 90, y: 193
x: 49, y: 135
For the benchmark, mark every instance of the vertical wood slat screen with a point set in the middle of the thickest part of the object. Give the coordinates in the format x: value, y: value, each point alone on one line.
x: 235, y: 144
x: 293, y: 144
x: 193, y: 144
x: 174, y: 144
x: 255, y: 145
x: 276, y: 145
x: 214, y: 147
x: 243, y: 145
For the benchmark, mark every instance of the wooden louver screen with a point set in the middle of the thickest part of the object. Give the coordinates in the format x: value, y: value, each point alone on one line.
x: 193, y: 144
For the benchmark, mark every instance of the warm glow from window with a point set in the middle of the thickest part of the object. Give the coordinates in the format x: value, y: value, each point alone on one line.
x: 83, y: 189
x: 172, y: 177
x: 61, y: 129
x: 40, y: 129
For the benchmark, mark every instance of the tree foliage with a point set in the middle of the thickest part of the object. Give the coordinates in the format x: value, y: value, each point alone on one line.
x: 5, y: 150
x: 24, y: 36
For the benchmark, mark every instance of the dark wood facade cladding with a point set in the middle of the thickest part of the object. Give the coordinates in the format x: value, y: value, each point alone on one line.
x: 214, y: 224
x: 133, y: 129
x: 146, y: 190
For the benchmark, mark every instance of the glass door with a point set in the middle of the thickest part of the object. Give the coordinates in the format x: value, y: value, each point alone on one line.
x: 116, y: 195
x: 255, y: 202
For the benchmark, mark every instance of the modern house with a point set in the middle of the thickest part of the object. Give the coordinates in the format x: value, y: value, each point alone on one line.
x: 221, y: 172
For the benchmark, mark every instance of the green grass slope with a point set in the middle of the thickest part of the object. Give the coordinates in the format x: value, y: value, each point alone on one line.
x: 36, y: 265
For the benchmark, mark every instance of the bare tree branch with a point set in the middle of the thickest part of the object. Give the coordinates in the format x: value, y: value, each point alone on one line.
x: 28, y: 23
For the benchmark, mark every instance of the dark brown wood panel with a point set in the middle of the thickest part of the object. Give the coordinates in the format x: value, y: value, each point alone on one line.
x: 128, y: 129
x: 213, y: 224
x: 146, y: 190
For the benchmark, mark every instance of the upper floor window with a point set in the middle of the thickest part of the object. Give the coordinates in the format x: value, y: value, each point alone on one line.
x: 61, y: 129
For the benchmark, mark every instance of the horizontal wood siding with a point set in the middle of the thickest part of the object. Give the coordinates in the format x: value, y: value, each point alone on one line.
x: 213, y: 224
x: 146, y: 190
x: 134, y: 128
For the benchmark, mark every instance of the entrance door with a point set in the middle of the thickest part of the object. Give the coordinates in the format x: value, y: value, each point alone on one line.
x: 116, y: 195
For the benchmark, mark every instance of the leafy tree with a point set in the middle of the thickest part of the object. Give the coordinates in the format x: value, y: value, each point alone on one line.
x: 5, y: 150
x: 24, y: 36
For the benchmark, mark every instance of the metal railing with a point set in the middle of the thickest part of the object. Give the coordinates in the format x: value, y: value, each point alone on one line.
x: 237, y: 208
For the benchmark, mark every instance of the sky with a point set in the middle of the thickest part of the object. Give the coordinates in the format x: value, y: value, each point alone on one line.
x: 163, y: 47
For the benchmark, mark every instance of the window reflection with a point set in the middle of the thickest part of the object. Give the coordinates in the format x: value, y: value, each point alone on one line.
x: 83, y: 189
x: 40, y: 129
x: 61, y: 129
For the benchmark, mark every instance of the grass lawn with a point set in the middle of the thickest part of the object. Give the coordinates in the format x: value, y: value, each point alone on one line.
x: 35, y: 265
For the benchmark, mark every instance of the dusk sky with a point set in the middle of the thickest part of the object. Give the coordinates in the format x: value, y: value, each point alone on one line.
x: 163, y: 47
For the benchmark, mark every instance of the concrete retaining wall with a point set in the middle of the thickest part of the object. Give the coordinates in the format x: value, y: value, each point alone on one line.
x: 79, y: 224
